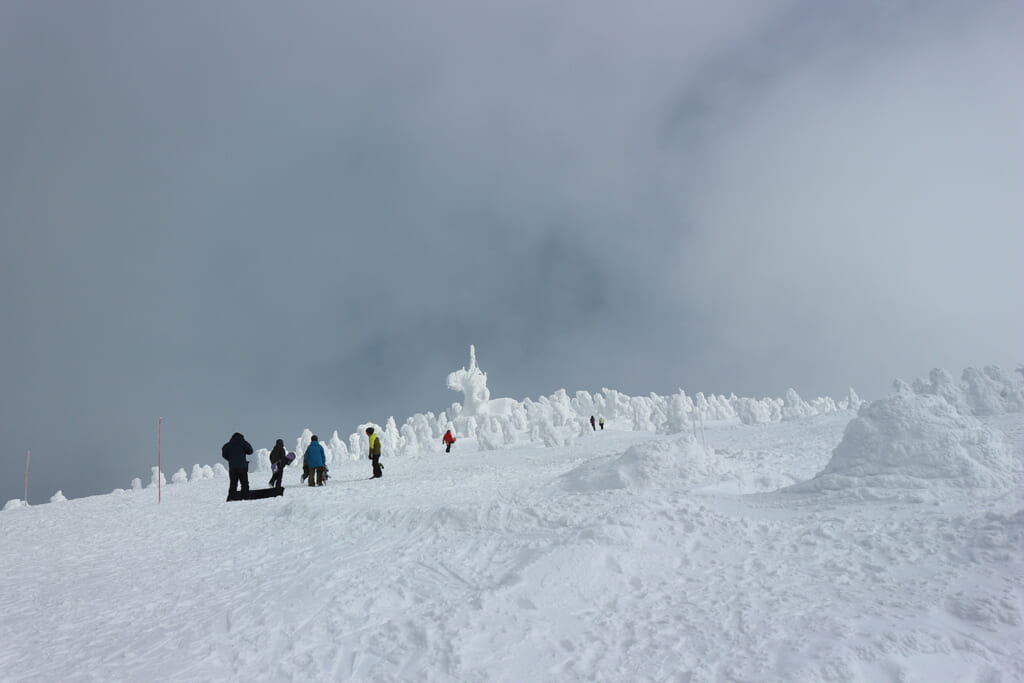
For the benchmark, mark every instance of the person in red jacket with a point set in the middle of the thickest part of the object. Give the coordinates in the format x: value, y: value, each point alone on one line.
x: 448, y: 441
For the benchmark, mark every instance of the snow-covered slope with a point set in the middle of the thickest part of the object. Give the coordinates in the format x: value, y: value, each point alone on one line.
x: 780, y: 551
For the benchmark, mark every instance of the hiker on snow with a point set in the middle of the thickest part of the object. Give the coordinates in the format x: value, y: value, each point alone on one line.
x: 374, y: 453
x: 592, y: 423
x: 601, y: 422
x: 234, y: 451
x: 448, y: 441
x: 278, y: 461
x: 316, y: 461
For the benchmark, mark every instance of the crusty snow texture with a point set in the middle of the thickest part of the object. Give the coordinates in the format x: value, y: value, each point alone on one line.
x: 679, y: 544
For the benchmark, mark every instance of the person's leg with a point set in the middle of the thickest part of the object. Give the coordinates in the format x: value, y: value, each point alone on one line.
x: 232, y: 482
x: 243, y: 476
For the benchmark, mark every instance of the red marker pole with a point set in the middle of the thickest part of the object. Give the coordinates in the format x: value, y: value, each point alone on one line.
x: 159, y: 492
x: 28, y: 457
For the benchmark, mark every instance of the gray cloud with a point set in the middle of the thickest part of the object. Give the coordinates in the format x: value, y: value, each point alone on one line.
x: 865, y: 199
x: 261, y: 218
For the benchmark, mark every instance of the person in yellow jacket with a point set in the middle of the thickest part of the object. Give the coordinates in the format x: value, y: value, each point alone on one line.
x: 374, y: 453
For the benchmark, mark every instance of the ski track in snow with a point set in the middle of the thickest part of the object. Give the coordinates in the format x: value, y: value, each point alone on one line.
x: 502, y: 566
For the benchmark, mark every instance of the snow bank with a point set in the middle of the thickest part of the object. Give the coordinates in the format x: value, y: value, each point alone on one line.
x: 916, y: 442
x: 58, y: 497
x: 14, y: 503
x: 645, y: 466
x: 559, y: 420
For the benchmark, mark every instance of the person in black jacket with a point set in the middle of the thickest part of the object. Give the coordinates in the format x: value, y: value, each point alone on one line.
x: 278, y: 461
x: 234, y: 451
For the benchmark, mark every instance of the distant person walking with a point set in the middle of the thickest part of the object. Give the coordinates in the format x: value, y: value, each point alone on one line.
x: 374, y: 453
x: 601, y: 422
x: 592, y: 423
x: 234, y: 451
x: 278, y: 461
x: 448, y: 441
x: 316, y: 460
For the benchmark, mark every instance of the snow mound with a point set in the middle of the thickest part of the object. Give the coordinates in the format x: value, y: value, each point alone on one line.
x: 918, y: 442
x: 58, y: 497
x: 644, y: 466
x: 13, y: 504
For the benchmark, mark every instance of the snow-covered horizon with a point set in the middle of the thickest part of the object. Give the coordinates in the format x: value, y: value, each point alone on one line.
x: 692, y: 539
x: 558, y: 419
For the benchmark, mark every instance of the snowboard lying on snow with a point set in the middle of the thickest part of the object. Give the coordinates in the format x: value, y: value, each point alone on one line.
x: 253, y: 494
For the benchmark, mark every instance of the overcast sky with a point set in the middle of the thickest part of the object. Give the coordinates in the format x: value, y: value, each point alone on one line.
x: 263, y: 216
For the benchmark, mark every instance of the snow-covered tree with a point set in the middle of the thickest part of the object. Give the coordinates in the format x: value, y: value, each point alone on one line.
x: 472, y: 382
x: 157, y: 474
x: 677, y: 414
x: 336, y: 447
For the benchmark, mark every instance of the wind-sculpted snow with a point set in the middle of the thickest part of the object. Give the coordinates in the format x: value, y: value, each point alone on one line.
x: 668, y: 547
x: 625, y: 556
x: 559, y: 421
x: 921, y: 444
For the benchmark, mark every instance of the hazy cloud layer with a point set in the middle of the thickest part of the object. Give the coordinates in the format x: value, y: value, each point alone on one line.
x: 260, y: 217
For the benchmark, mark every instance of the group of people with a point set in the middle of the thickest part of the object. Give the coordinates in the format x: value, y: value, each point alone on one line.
x: 314, y: 461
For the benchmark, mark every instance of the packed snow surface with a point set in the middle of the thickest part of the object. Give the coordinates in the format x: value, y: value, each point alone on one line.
x: 879, y: 545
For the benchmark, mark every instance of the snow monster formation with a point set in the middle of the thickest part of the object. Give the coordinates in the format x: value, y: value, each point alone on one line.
x: 910, y: 445
x: 473, y: 385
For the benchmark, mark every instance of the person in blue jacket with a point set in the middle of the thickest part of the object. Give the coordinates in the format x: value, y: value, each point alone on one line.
x: 316, y: 460
x: 234, y: 451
